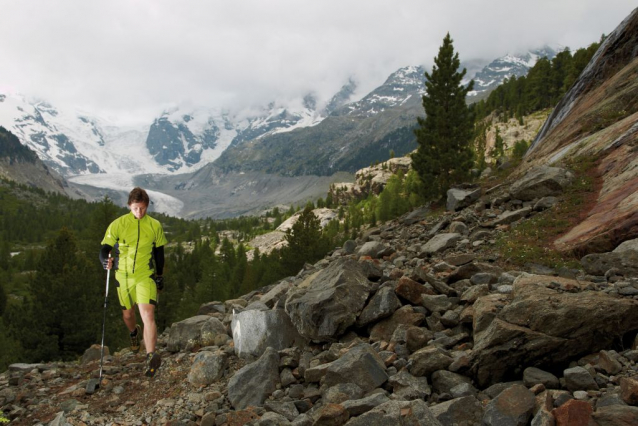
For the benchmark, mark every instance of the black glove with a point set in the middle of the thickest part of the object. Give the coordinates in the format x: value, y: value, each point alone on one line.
x: 105, y: 263
x: 159, y: 282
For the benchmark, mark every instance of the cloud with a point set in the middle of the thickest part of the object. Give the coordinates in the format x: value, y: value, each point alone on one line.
x: 134, y: 58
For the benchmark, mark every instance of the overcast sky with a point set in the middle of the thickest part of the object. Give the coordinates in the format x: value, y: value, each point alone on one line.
x: 133, y: 58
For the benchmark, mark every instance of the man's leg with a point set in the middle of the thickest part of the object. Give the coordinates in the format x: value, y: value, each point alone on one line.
x: 147, y: 312
x: 129, y: 319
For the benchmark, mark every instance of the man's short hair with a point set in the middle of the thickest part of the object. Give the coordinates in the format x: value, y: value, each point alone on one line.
x: 138, y: 195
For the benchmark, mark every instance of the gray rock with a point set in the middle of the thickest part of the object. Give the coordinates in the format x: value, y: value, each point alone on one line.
x: 514, y: 406
x: 93, y: 353
x: 59, y: 420
x: 187, y: 334
x: 473, y: 293
x: 407, y: 387
x: 426, y: 361
x: 329, y: 301
x: 254, y: 331
x: 372, y: 249
x: 511, y: 216
x: 459, y: 228
x: 534, y: 376
x: 211, y: 329
x: 212, y: 308
x: 397, y: 413
x: 207, y: 368
x: 277, y: 295
x: 624, y: 263
x: 458, y: 199
x: 483, y: 278
x: 538, y: 325
x: 286, y: 409
x: 439, y: 303
x: 24, y: 368
x: 545, y: 203
x: 252, y: 384
x: 272, y: 418
x: 342, y: 392
x: 578, y: 378
x: 444, y: 381
x: 349, y: 246
x: 616, y: 416
x: 303, y: 420
x: 463, y: 389
x: 541, y: 182
x: 361, y: 365
x: 460, y: 411
x: 381, y: 305
x: 627, y: 245
x: 440, y: 242
x: 356, y: 407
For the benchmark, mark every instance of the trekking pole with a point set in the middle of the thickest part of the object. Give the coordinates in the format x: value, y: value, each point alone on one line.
x: 94, y: 384
x: 106, y: 302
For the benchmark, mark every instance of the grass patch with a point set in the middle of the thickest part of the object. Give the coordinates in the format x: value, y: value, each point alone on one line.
x: 531, y: 241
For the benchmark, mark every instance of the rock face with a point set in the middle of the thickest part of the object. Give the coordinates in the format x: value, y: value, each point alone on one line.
x: 327, y: 303
x: 361, y: 365
x: 255, y: 330
x: 542, y: 326
x: 580, y: 127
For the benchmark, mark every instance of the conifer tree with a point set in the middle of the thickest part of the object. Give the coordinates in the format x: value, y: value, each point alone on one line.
x: 305, y: 242
x: 444, y: 155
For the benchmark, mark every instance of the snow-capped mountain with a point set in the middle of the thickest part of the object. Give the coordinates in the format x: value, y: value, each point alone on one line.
x: 506, y: 66
x: 401, y: 86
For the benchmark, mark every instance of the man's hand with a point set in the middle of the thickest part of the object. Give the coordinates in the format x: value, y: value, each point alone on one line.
x: 159, y: 282
x: 108, y: 264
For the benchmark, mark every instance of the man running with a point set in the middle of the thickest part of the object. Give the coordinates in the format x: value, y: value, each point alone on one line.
x: 134, y: 246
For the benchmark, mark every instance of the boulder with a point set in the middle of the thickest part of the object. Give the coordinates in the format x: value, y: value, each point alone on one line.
x: 534, y: 376
x: 254, y: 331
x: 458, y: 198
x: 342, y: 392
x: 252, y: 384
x: 444, y: 381
x: 460, y: 411
x: 407, y: 387
x: 277, y: 295
x: 383, y: 304
x: 361, y: 365
x: 211, y: 329
x: 397, y: 413
x: 426, y: 361
x: 187, y: 334
x: 411, y: 290
x: 372, y: 249
x: 329, y: 301
x: 578, y: 378
x: 356, y: 407
x: 511, y: 216
x: 573, y: 412
x: 384, y: 329
x: 624, y: 262
x: 616, y: 415
x: 212, y: 308
x: 543, y: 326
x: 207, y: 368
x: 514, y: 406
x: 627, y: 245
x: 629, y: 390
x: 94, y: 353
x: 541, y: 182
x: 440, y: 242
x: 331, y: 415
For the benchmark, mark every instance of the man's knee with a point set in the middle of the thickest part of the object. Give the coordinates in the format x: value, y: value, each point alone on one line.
x: 128, y: 314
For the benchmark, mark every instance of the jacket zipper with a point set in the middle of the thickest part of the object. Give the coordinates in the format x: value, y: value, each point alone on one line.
x: 136, y: 244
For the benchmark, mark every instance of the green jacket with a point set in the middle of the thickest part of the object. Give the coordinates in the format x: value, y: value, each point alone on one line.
x: 133, y: 241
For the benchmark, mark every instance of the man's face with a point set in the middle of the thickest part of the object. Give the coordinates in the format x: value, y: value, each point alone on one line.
x: 138, y: 209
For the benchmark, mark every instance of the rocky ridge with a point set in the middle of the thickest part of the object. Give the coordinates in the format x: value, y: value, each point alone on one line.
x: 415, y: 322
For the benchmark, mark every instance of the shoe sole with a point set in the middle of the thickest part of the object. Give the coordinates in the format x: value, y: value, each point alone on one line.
x: 153, y: 365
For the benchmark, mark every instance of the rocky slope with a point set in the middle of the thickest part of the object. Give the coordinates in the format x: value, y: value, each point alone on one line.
x: 598, y: 118
x: 415, y: 322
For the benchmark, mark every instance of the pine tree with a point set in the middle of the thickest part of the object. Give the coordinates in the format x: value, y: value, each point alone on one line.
x: 444, y: 156
x: 305, y: 242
